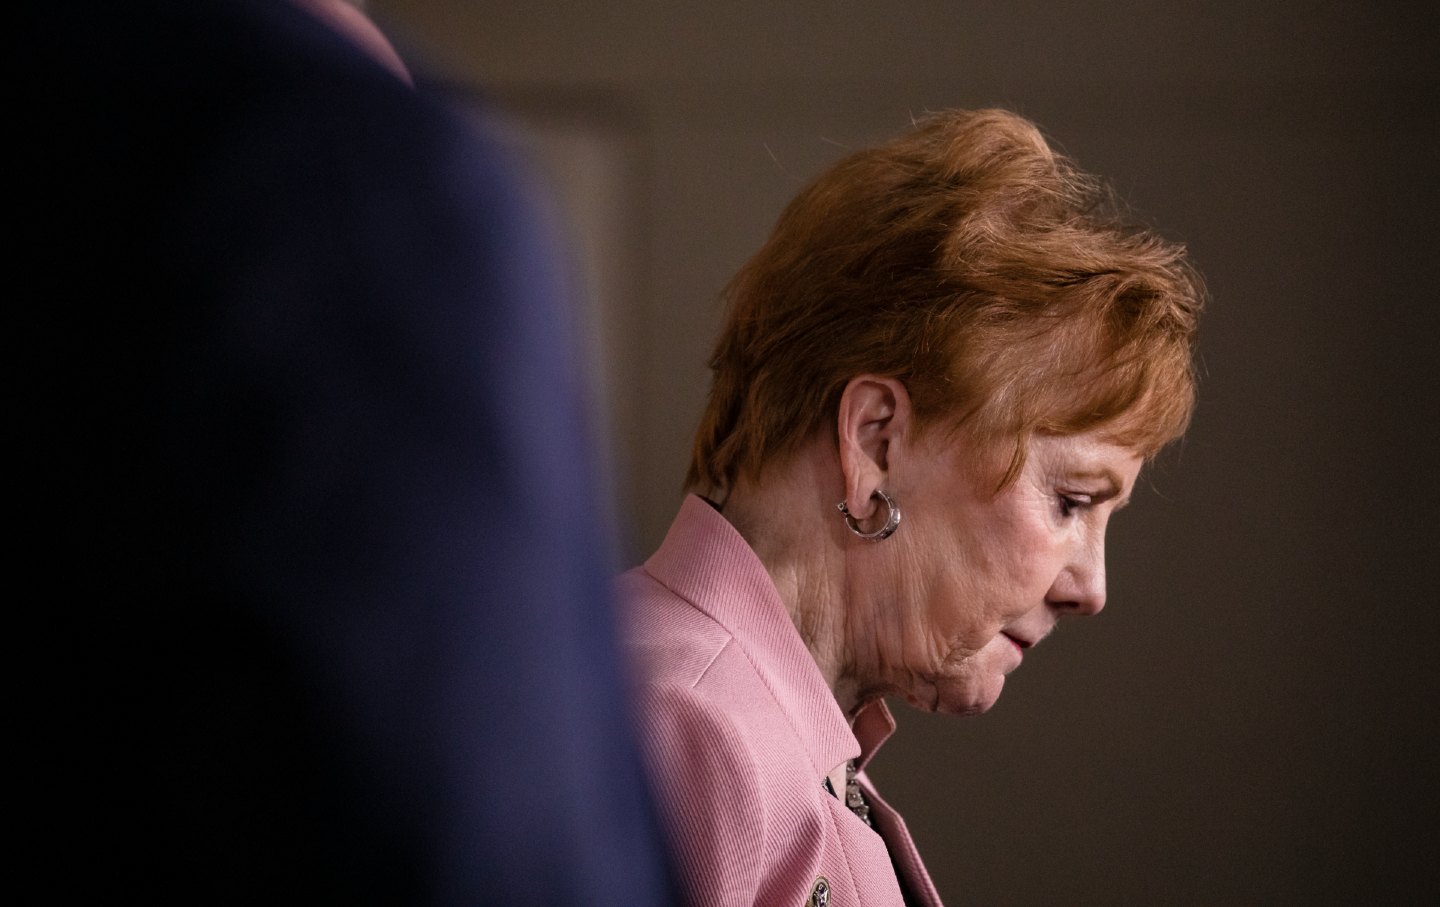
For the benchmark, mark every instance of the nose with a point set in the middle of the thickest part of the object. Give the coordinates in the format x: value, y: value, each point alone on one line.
x: 1080, y: 586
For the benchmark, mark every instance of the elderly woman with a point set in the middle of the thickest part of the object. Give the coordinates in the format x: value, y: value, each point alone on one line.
x: 936, y: 382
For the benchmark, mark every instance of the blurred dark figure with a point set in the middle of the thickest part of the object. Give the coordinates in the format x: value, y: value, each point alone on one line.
x: 310, y: 570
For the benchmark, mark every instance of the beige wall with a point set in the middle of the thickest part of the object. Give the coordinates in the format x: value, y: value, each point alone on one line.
x: 1250, y: 720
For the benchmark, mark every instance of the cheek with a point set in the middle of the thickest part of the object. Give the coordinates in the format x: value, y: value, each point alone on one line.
x: 917, y: 612
x: 1021, y: 579
x: 944, y: 595
x: 888, y: 620
x: 994, y: 585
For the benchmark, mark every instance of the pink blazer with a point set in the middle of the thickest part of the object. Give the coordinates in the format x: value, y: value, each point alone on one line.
x: 740, y: 731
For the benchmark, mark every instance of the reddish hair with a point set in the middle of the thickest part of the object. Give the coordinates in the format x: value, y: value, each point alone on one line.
x: 972, y: 262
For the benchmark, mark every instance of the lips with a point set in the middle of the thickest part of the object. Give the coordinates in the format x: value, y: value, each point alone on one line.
x: 1018, y: 641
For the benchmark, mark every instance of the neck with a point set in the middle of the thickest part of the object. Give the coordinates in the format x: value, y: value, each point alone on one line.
x: 786, y: 518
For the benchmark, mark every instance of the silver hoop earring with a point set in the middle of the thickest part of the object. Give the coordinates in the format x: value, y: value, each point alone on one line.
x: 884, y: 532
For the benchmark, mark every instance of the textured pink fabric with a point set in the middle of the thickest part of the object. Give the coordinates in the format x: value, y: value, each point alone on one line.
x: 741, y: 729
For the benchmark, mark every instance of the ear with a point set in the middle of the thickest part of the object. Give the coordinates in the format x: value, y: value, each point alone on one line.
x: 874, y: 414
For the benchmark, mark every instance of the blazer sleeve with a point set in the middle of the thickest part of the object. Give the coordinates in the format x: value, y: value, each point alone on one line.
x: 707, y: 777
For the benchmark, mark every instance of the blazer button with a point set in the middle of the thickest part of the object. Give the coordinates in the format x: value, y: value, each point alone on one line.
x: 820, y: 894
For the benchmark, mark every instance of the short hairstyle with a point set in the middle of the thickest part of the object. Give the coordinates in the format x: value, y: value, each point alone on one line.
x: 968, y: 259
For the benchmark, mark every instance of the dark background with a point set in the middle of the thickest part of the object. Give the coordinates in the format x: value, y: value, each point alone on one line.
x: 1252, y: 719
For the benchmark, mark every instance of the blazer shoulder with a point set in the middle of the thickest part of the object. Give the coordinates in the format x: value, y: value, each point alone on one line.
x: 669, y: 639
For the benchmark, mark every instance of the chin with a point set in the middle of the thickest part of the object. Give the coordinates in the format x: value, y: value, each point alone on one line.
x: 963, y: 695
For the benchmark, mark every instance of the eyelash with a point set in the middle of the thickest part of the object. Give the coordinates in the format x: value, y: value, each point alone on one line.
x: 1070, y: 503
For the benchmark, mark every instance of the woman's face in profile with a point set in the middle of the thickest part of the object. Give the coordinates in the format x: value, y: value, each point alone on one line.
x: 949, y: 604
